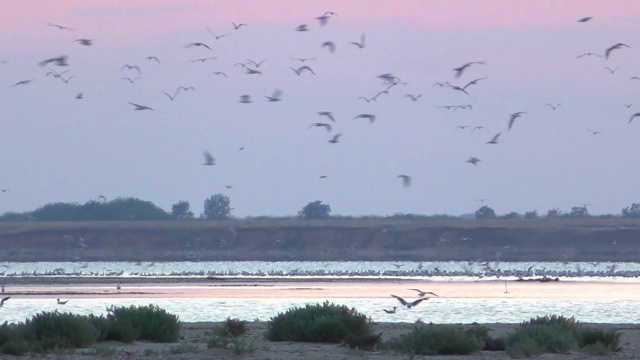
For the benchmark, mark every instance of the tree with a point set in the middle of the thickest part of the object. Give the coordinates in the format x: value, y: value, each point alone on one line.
x: 511, y: 216
x: 217, y: 207
x: 485, y: 212
x: 554, y: 213
x: 579, y: 211
x: 631, y: 211
x: 181, y: 210
x: 531, y: 214
x: 315, y: 210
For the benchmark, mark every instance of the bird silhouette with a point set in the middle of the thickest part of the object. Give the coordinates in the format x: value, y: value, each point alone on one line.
x: 204, y: 59
x: 302, y: 27
x: 614, y: 47
x: 198, y: 44
x: 594, y: 132
x: 140, y: 107
x: 85, y: 42
x: 132, y: 67
x: 61, y: 27
x: 275, y: 96
x: 413, y: 97
x: 371, y: 117
x: 327, y: 114
x: 494, y: 139
x: 326, y: 126
x: 330, y: 45
x: 633, y: 116
x: 237, y: 26
x: 423, y: 293
x: 461, y: 69
x: 251, y: 71
x: 553, y: 107
x: 611, y: 70
x: 218, y: 37
x: 171, y: 97
x: 392, y: 311
x: 218, y: 73
x: 79, y: 96
x: 409, y: 305
x: 208, y: 159
x: 360, y: 44
x: 473, y: 160
x: 60, y: 302
x: 585, y: 19
x: 256, y: 64
x: 301, y: 69
x: 513, y: 118
x: 588, y: 54
x: 58, y: 61
x: 130, y: 80
x: 3, y: 300
x: 23, y: 82
x: 245, y: 99
x: 406, y: 180
x: 335, y: 138
x: 153, y: 58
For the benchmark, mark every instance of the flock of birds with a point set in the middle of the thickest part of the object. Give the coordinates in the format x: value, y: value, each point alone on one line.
x: 460, y: 80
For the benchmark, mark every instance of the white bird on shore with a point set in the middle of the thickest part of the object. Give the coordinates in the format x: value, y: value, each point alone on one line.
x: 60, y: 302
x: 392, y: 311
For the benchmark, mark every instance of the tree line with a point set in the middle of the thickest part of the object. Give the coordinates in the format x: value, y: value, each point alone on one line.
x: 218, y: 207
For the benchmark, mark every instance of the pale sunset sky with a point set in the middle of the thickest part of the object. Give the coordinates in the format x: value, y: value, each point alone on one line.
x: 55, y: 147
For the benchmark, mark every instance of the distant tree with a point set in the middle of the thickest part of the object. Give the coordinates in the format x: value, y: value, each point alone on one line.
x: 217, y: 207
x: 631, y: 211
x: 315, y: 210
x: 579, y: 212
x: 511, y: 216
x: 531, y: 215
x: 180, y: 210
x: 118, y: 209
x: 554, y: 213
x: 485, y: 212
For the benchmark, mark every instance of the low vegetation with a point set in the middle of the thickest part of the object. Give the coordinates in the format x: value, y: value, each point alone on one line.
x: 229, y: 336
x: 445, y: 340
x: 48, y: 332
x: 557, y: 334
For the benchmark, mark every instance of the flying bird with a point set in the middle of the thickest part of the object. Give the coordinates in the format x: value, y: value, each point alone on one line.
x: 4, y: 299
x: 251, y: 71
x: 360, y: 44
x: 172, y: 97
x: 585, y: 19
x: 473, y: 160
x: 130, y: 80
x: 328, y: 114
x: 85, y: 42
x: 413, y: 97
x: 197, y: 44
x: 257, y: 64
x: 611, y: 70
x: 330, y: 45
x: 153, y: 58
x: 140, y: 107
x: 553, y: 107
x: 299, y: 70
x: 461, y: 69
x: 218, y: 73
x: 79, y: 96
x: 423, y: 293
x: 513, y: 118
x: 237, y: 26
x: 245, y: 99
x: 335, y: 138
x: 478, y: 128
x: 633, y: 116
x: 303, y: 59
x: 218, y: 37
x: 58, y: 61
x: 275, y: 96
x: 409, y: 304
x: 326, y: 126
x: 131, y: 67
x: 473, y: 82
x: 302, y: 27
x: 406, y: 180
x: 494, y: 140
x: 614, y: 47
x: 204, y: 59
x: 588, y: 54
x: 371, y: 117
x: 61, y: 27
x: 208, y: 159
x: 593, y: 132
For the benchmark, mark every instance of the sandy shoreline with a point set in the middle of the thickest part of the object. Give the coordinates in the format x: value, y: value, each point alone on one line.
x: 195, y: 336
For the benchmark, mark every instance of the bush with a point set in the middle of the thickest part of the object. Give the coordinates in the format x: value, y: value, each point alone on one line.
x: 444, y: 340
x: 557, y: 334
x: 148, y: 323
x: 235, y: 327
x: 52, y: 330
x: 318, y: 323
x: 485, y: 212
x: 362, y: 342
x: 315, y: 210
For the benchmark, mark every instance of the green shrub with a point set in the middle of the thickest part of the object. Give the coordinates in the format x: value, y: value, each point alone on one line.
x: 598, y: 341
x: 52, y: 330
x: 318, y: 323
x: 240, y: 346
x: 148, y: 323
x: 365, y: 342
x: 183, y: 349
x: 440, y: 340
x: 16, y: 348
x: 235, y: 327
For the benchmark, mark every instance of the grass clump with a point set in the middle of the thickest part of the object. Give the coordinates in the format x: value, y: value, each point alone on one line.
x: 440, y: 340
x: 557, y: 334
x: 143, y: 323
x: 318, y: 323
x: 49, y: 331
x: 235, y: 327
x: 228, y: 336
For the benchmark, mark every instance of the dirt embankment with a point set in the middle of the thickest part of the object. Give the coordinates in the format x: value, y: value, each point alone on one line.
x: 348, y: 239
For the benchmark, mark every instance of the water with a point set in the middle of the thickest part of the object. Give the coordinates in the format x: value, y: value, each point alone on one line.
x: 469, y: 292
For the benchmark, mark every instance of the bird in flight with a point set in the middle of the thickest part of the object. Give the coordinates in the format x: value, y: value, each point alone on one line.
x: 61, y: 27
x: 130, y: 67
x: 140, y: 107
x: 172, y: 97
x: 245, y: 99
x: 413, y: 97
x: 423, y: 293
x: 611, y: 70
x: 257, y: 64
x: 409, y: 305
x: 251, y: 71
x: 23, y: 82
x: 553, y: 107
x: 406, y: 180
x: 360, y: 44
x: 585, y: 19
x: 302, y: 27
x: 303, y: 59
x: 593, y: 132
x: 204, y: 59
x: 330, y: 45
x: 633, y: 116
x: 328, y: 114
x: 614, y: 47
x: 85, y: 42
x: 473, y: 160
x: 513, y: 118
x: 218, y: 37
x: 130, y: 80
x: 208, y: 159
x: 299, y: 70
x: 59, y: 61
x: 54, y: 73
x: 198, y: 44
x: 335, y: 138
x: 371, y: 117
x: 588, y: 54
x: 4, y: 299
x: 326, y: 126
x: 220, y: 73
x: 237, y: 26
x: 80, y: 96
x: 153, y: 58
x: 275, y: 96
x: 461, y: 69
x: 494, y: 140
